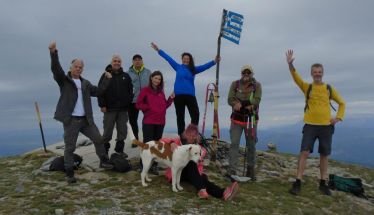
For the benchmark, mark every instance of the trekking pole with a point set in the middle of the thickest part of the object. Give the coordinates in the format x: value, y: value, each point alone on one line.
x: 40, y: 125
x: 245, y: 147
x: 253, y: 126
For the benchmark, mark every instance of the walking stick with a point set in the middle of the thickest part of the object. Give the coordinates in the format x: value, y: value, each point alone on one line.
x: 246, y: 142
x: 40, y: 125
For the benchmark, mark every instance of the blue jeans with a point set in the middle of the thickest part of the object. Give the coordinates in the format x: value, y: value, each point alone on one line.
x: 236, y: 131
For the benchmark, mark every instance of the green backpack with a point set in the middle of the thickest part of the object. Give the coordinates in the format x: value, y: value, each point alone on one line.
x: 350, y: 185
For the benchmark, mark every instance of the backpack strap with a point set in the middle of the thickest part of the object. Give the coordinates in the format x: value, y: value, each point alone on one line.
x: 330, y: 96
x: 237, y: 85
x: 307, y: 96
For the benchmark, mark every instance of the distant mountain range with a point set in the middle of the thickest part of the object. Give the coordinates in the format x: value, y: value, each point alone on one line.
x: 353, y: 140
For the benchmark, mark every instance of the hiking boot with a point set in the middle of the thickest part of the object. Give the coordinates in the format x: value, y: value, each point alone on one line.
x: 203, y: 194
x: 154, y: 169
x: 324, y: 188
x: 70, y: 176
x: 230, y: 191
x: 106, y: 165
x: 71, y: 179
x: 251, y: 173
x: 296, y: 187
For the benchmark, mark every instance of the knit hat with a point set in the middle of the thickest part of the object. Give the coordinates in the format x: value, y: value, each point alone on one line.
x: 247, y: 67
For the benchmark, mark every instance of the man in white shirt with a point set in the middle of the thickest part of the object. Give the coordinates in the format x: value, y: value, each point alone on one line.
x: 74, y: 110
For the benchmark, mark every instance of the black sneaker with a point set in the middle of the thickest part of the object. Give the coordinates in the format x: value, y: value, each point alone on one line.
x: 296, y: 187
x: 324, y: 188
x: 71, y: 179
x: 106, y: 165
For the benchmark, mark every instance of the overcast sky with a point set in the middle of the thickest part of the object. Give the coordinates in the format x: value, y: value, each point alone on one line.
x: 337, y: 33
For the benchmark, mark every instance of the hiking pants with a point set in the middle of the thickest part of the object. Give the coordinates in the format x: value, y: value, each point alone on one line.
x: 180, y: 103
x: 133, y: 118
x: 71, y: 131
x: 236, y: 131
x: 118, y: 118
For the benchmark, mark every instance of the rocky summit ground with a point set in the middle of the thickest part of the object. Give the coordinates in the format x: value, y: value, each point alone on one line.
x: 24, y: 189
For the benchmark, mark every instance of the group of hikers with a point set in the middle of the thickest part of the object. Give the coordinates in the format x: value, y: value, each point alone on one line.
x: 121, y: 95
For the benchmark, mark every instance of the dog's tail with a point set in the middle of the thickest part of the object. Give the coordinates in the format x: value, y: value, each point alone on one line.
x: 141, y: 144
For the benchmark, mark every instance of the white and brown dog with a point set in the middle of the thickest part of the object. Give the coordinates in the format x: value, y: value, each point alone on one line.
x: 162, y: 152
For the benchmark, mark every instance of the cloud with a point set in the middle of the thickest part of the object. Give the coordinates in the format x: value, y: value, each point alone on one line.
x: 340, y: 34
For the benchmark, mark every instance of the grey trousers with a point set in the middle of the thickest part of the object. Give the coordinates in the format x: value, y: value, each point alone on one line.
x: 235, y: 134
x: 71, y: 132
x: 118, y: 118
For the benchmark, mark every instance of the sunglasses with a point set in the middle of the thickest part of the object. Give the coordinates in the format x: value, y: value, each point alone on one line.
x: 246, y: 72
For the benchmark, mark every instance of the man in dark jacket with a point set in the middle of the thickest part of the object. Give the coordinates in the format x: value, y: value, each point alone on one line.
x: 114, y: 103
x: 74, y: 110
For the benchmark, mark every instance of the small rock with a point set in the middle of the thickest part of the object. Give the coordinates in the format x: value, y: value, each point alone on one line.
x: 20, y: 188
x: 59, y: 211
x: 35, y: 210
x: 218, y: 164
x: 272, y: 147
x: 281, y: 163
x: 206, y: 162
x: 93, y: 176
x: 36, y: 172
x: 271, y: 173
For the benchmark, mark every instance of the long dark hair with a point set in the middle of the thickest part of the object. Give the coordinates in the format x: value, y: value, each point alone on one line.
x: 161, y: 86
x: 191, y: 65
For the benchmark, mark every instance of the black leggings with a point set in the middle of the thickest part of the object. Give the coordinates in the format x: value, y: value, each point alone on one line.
x: 191, y: 174
x: 180, y: 102
x: 152, y: 132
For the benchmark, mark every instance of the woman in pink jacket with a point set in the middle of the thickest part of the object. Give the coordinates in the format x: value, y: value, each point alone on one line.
x: 152, y: 102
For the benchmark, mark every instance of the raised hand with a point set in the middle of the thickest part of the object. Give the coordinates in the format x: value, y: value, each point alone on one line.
x: 217, y: 59
x: 289, y: 55
x: 172, y: 95
x: 52, y: 46
x: 108, y: 75
x: 154, y: 46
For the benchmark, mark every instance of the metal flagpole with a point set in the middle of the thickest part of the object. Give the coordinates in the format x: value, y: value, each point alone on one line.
x: 215, y: 135
x: 40, y: 125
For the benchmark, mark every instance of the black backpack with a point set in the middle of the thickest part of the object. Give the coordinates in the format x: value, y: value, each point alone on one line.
x: 120, y: 163
x: 58, y: 163
x: 350, y: 185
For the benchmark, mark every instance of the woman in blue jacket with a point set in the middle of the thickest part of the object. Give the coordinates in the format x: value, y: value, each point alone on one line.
x: 184, y: 86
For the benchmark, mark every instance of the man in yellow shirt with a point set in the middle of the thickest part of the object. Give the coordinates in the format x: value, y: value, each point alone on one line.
x: 318, y: 121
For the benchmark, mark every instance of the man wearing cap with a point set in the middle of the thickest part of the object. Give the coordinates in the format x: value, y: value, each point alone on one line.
x: 244, y: 98
x: 140, y: 78
x: 115, y: 104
